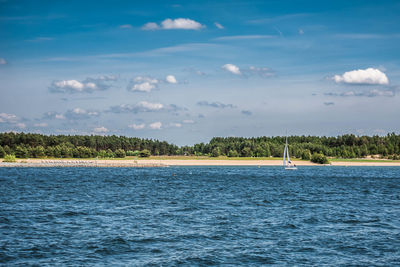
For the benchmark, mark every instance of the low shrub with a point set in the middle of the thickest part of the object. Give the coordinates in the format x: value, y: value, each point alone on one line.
x: 9, y: 158
x: 319, y: 158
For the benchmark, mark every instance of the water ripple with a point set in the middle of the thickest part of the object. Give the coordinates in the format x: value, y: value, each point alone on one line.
x: 200, y: 216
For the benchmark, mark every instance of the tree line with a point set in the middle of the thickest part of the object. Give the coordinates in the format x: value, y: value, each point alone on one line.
x: 29, y: 145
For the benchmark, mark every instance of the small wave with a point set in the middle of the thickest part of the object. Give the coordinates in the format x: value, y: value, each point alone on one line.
x: 4, y: 220
x: 110, y: 246
x: 71, y: 213
x: 290, y: 226
x: 311, y: 220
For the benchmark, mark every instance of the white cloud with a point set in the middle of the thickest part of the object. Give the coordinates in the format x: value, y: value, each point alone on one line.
x: 215, y: 104
x: 59, y: 116
x: 244, y: 37
x: 80, y: 113
x: 137, y: 126
x: 369, y: 93
x: 172, y: 24
x: 142, y: 106
x: 171, y: 79
x: 150, y: 106
x: 232, y: 68
x: 219, y: 26
x: 301, y: 31
x: 155, y: 125
x: 87, y: 86
x: 151, y: 26
x: 10, y: 118
x: 143, y: 87
x: 3, y: 61
x: 175, y: 124
x: 73, y: 86
x: 367, y: 76
x: 126, y: 26
x: 101, y: 129
x: 21, y: 125
x: 42, y: 124
x: 53, y: 115
x: 142, y: 84
x: 181, y: 23
x: 262, y: 71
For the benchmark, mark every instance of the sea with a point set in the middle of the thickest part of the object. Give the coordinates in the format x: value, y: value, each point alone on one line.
x: 200, y: 216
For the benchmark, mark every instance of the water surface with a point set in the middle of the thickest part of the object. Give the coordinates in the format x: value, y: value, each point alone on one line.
x: 200, y: 216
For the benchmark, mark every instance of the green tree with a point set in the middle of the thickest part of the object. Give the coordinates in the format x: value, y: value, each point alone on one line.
x: 319, y: 158
x: 38, y: 152
x: 21, y: 152
x: 233, y: 153
x: 145, y: 153
x: 2, y: 153
x: 216, y: 152
x: 246, y: 152
x: 120, y: 153
x: 306, y: 154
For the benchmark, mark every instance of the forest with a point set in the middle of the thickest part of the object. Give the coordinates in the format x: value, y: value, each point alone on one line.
x: 32, y: 145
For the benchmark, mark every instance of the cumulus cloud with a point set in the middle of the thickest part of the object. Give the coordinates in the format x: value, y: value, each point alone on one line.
x: 137, y: 126
x: 11, y: 120
x: 232, y: 68
x: 142, y: 106
x: 171, y: 79
x: 101, y: 129
x: 8, y: 118
x: 80, y: 113
x: 219, y: 26
x: 247, y: 112
x: 181, y: 23
x: 53, y: 115
x: 3, y: 61
x: 367, y: 76
x: 126, y: 26
x: 215, y: 104
x: 369, y: 93
x: 87, y: 86
x: 41, y: 125
x: 172, y: 24
x: 142, y: 84
x: 155, y: 125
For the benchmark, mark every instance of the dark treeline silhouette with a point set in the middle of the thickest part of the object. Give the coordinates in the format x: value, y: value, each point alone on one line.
x: 24, y: 145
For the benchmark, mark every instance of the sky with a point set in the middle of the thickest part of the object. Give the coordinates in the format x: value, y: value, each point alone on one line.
x: 187, y: 71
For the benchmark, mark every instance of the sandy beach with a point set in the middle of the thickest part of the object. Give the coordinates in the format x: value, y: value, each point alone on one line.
x: 177, y: 162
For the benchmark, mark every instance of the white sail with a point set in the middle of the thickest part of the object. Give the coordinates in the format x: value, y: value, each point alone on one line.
x: 288, y: 165
x: 284, y: 155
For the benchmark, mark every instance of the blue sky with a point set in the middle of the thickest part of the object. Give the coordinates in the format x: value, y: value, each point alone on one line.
x: 186, y: 71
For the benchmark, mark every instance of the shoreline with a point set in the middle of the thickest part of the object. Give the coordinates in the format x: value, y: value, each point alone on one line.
x: 143, y: 163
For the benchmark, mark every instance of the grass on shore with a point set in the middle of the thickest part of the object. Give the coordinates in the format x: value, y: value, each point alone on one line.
x: 219, y: 158
x: 362, y: 160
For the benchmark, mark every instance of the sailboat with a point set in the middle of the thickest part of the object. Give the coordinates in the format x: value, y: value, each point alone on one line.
x: 287, y: 165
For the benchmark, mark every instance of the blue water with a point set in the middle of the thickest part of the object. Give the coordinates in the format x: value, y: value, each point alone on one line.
x: 200, y: 216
